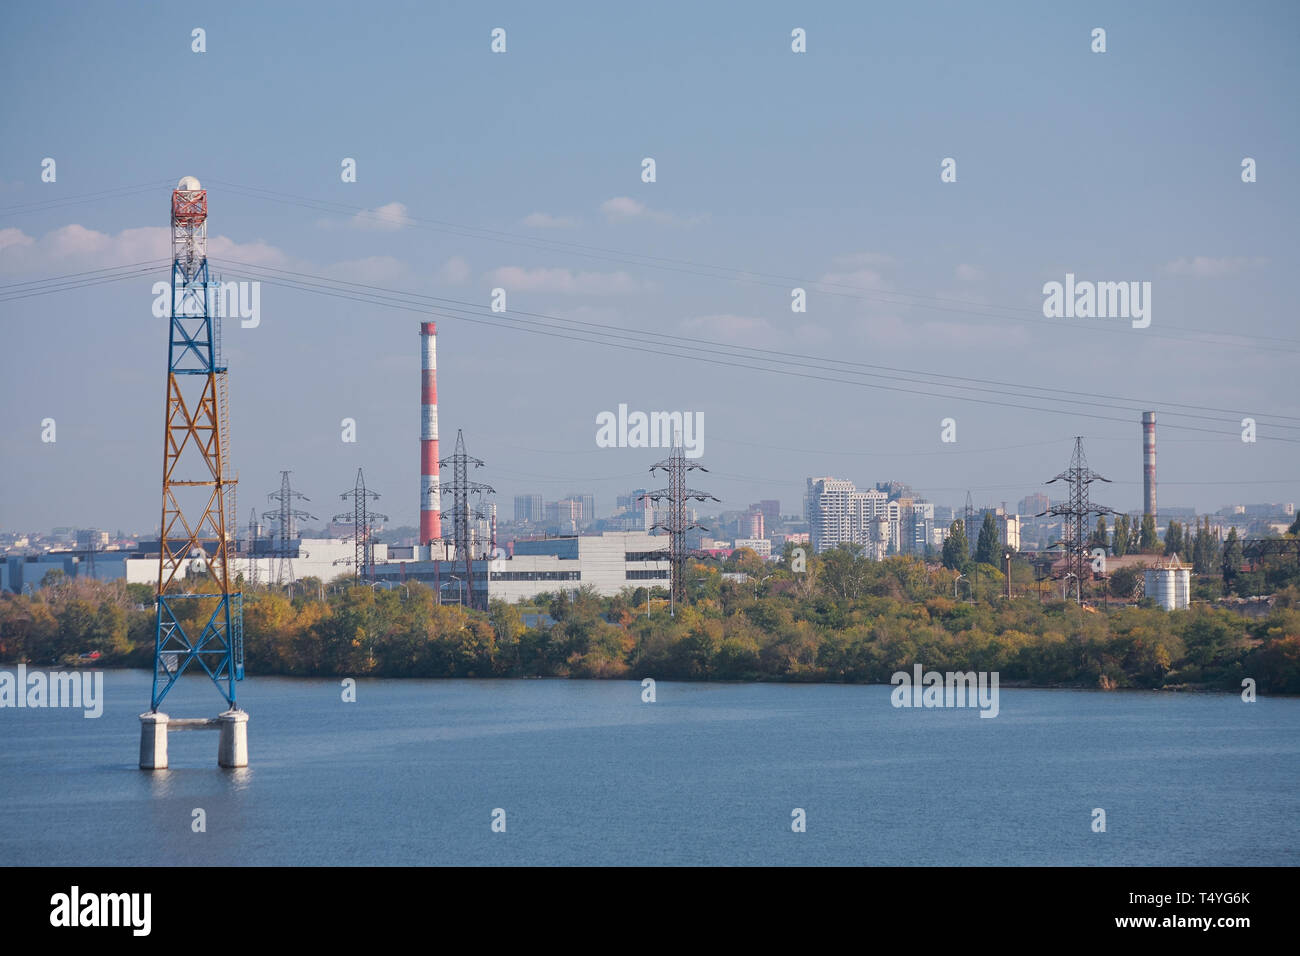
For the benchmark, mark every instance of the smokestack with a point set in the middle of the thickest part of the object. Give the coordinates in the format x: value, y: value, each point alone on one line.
x: 430, y: 489
x: 1149, y: 463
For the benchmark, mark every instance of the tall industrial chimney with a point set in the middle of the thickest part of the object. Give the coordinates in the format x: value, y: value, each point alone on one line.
x: 1149, y: 463
x: 430, y: 489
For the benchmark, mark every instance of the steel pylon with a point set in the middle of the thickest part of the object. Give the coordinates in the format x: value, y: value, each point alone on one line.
x: 460, y: 489
x: 361, y: 518
x: 1076, y: 514
x: 676, y: 522
x: 194, y: 547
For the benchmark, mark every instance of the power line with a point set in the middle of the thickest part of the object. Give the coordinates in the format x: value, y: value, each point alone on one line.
x: 891, y: 297
x: 609, y: 336
x: 705, y: 270
x: 115, y: 192
x: 81, y: 283
x: 784, y: 356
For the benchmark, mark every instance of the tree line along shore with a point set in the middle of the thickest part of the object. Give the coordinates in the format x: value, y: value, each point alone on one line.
x: 842, y: 618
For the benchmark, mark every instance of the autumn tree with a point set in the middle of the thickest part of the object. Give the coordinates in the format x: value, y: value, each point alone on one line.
x: 845, y: 571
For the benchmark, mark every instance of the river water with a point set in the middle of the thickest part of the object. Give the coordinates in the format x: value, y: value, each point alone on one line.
x: 586, y: 773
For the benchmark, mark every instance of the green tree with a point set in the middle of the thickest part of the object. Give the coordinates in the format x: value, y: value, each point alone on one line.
x: 1147, y: 541
x: 1123, y: 581
x: 956, y: 550
x: 1205, y: 549
x: 140, y: 594
x: 845, y: 571
x: 1174, y: 540
x: 53, y: 578
x: 988, y: 549
x: 1100, y: 536
x: 1232, y: 556
x: 1120, y: 543
x: 506, y: 620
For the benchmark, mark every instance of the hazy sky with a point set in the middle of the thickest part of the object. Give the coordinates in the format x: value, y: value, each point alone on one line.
x: 819, y: 170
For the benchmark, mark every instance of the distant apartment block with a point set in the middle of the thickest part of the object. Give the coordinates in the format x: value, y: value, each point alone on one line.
x: 565, y: 514
x: 528, y: 509
x: 1034, y: 504
x: 917, y: 531
x: 840, y: 514
x: 771, y: 509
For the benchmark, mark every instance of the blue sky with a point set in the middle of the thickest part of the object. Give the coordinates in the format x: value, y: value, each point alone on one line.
x: 822, y: 166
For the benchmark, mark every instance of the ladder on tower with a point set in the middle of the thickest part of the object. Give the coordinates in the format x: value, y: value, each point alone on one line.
x: 228, y: 480
x: 217, y: 365
x: 236, y: 635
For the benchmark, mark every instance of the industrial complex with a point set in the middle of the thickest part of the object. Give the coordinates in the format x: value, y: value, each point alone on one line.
x: 549, y: 547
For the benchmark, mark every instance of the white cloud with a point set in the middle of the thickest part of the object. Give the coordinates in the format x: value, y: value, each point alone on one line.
x: 256, y: 252
x: 623, y: 207
x: 74, y: 246
x: 863, y: 270
x: 626, y: 209
x: 564, y: 281
x: 386, y: 218
x: 543, y: 220
x: 455, y: 271
x: 1209, y: 268
x: 968, y: 273
x: 14, y: 237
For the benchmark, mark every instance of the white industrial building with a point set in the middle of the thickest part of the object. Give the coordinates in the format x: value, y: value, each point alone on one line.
x: 324, y: 558
x: 606, y: 562
x: 1169, y: 584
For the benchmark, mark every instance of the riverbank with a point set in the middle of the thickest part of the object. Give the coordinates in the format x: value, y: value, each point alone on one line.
x: 826, y: 629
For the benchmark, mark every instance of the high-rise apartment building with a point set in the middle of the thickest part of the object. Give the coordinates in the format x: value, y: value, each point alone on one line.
x: 528, y: 508
x: 840, y: 514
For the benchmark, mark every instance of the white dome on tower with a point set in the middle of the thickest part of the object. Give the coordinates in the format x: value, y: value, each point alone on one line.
x: 188, y: 184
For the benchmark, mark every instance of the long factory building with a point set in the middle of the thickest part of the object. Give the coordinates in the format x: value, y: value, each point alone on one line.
x: 606, y: 562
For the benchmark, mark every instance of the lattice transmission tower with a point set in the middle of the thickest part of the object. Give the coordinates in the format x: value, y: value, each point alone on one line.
x: 1077, y: 512
x: 677, y: 523
x: 967, y: 523
x: 362, y: 520
x: 286, y: 518
x: 461, y: 490
x: 197, y: 487
x: 250, y: 550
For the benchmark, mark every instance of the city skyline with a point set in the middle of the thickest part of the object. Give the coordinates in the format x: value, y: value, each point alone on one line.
x: 800, y: 178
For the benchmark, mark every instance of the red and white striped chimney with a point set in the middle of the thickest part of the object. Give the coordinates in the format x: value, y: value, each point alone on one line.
x: 430, y: 489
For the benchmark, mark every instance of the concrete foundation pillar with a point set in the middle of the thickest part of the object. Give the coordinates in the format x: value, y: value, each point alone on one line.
x: 232, y: 751
x: 153, y: 741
